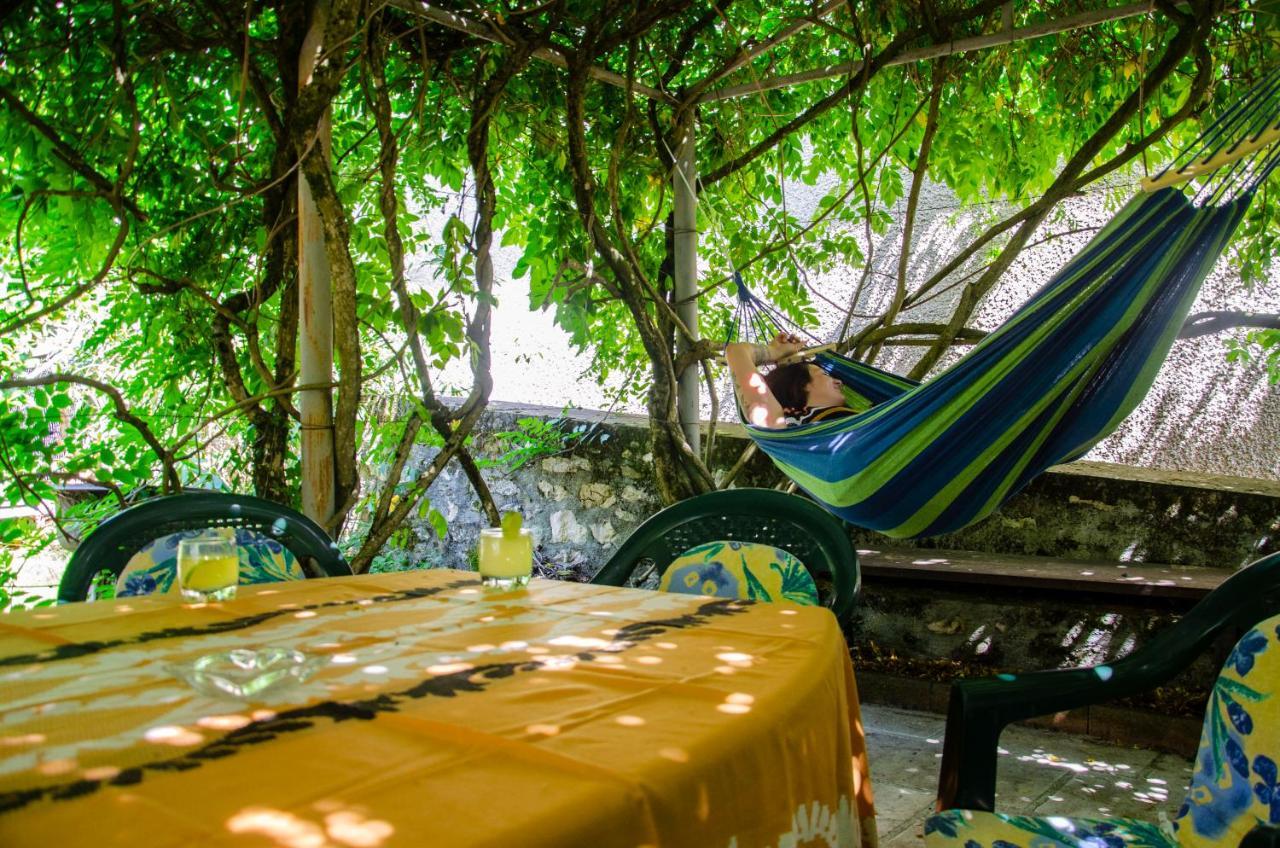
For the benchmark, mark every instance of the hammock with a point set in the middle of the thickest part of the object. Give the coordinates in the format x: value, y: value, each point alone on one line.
x: 1052, y: 381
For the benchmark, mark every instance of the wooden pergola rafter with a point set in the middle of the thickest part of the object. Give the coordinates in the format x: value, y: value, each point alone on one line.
x: 1006, y: 35
x: 685, y: 174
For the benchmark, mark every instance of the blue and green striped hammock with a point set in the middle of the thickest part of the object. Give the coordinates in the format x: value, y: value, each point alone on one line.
x: 1052, y: 381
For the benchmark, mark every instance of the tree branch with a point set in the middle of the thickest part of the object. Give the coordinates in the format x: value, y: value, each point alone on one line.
x: 1217, y: 321
x: 1187, y: 37
x: 855, y: 84
x: 68, y: 154
x: 122, y: 414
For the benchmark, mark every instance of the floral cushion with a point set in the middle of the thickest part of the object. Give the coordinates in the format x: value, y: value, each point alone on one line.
x: 977, y: 829
x: 153, y: 569
x: 1234, y: 786
x: 741, y: 570
x: 1235, y: 782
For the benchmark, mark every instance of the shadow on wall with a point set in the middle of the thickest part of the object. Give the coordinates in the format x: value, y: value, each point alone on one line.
x: 1196, y: 419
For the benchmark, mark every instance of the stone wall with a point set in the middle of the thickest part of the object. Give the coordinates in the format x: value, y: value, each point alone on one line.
x: 581, y: 503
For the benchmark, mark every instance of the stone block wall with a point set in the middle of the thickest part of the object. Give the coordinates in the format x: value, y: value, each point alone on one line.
x: 582, y: 503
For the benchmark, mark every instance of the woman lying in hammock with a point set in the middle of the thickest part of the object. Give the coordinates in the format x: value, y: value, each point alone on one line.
x: 791, y: 394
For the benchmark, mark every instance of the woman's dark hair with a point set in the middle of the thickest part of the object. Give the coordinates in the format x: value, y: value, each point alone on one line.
x: 790, y: 385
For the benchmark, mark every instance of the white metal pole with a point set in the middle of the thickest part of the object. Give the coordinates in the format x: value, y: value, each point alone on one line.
x: 689, y: 400
x: 315, y: 316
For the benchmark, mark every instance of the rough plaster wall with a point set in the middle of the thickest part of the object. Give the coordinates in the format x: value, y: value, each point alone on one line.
x: 1203, y: 414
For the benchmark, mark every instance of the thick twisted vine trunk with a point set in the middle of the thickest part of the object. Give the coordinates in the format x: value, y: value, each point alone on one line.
x: 272, y: 423
x: 270, y: 417
x: 680, y: 473
x: 279, y: 217
x: 454, y: 427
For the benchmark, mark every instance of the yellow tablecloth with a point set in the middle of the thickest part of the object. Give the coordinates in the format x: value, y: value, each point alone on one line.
x: 447, y: 715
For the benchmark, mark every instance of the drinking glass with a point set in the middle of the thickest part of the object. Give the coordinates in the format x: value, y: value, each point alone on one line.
x: 208, y: 567
x: 506, y: 554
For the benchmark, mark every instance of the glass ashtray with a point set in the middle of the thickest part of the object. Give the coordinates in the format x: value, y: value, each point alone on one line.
x: 246, y: 673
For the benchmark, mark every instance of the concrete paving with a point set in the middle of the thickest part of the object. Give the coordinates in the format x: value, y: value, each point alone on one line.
x: 1041, y: 772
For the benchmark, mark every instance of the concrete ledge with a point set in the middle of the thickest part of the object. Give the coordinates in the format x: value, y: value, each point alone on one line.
x: 1130, y: 580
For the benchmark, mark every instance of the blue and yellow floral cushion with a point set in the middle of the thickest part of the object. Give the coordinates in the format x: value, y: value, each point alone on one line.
x: 976, y: 829
x: 1233, y: 788
x: 1235, y: 785
x: 153, y: 569
x: 741, y: 570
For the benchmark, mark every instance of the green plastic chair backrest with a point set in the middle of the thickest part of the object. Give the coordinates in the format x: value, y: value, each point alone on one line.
x: 980, y: 708
x: 765, y: 516
x: 110, y: 546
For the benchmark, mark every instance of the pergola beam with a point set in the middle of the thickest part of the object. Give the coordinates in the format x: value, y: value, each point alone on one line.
x: 1007, y: 35
x: 963, y: 45
x: 684, y: 178
x: 457, y: 22
x: 768, y: 44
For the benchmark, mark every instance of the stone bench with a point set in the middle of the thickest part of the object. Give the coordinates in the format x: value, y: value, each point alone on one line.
x: 1130, y: 581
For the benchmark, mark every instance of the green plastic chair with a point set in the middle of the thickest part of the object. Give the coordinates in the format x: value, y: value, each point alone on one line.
x: 981, y: 708
x: 111, y: 545
x: 762, y: 516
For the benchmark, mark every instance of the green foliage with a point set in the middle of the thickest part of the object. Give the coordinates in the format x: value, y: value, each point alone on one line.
x: 1258, y: 345
x: 534, y: 438
x: 180, y: 282
x: 16, y: 537
x: 12, y: 597
x: 102, y: 587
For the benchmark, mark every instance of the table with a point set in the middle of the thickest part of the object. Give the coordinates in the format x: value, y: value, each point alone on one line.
x: 447, y: 715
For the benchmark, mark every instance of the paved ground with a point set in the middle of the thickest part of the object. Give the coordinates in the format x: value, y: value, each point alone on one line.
x: 1040, y: 773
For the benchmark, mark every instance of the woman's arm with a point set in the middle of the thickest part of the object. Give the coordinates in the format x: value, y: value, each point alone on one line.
x: 758, y: 403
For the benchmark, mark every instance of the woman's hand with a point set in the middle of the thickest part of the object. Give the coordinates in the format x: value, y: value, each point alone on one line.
x: 782, y: 346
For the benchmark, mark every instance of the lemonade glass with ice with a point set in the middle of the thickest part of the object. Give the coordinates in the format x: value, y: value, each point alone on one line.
x: 208, y: 567
x: 506, y: 554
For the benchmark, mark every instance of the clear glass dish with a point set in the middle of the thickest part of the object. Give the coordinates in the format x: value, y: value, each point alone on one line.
x: 246, y: 673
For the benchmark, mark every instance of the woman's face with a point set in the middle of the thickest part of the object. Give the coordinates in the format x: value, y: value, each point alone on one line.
x: 823, y: 389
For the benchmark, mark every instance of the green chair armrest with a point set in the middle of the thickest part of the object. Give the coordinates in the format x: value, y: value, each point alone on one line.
x: 980, y: 709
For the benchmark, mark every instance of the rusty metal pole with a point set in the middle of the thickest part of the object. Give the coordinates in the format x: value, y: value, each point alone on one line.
x: 688, y: 396
x: 315, y: 317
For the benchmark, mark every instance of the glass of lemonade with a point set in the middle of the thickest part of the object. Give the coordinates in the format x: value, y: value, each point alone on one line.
x: 506, y: 554
x: 208, y: 567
